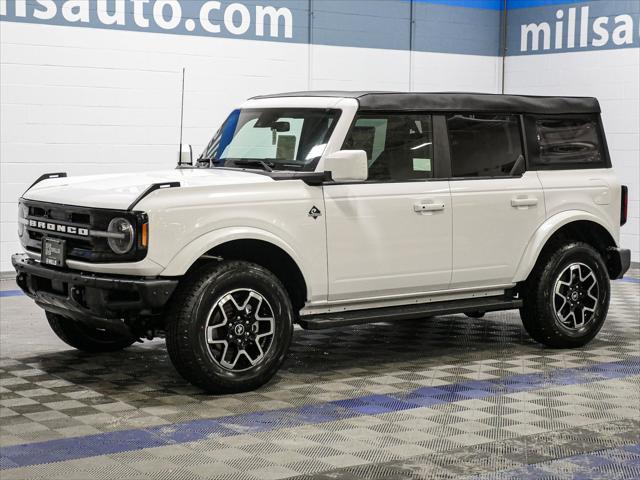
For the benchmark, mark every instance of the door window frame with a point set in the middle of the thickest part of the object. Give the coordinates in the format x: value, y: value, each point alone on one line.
x: 523, y: 145
x: 440, y: 147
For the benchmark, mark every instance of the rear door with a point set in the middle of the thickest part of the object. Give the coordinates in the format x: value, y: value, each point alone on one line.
x: 497, y: 204
x: 390, y: 235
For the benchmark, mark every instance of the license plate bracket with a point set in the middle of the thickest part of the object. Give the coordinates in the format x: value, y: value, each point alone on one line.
x: 54, y: 252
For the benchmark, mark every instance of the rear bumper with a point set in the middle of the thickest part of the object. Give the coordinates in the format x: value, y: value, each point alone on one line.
x: 618, y: 262
x: 106, y: 301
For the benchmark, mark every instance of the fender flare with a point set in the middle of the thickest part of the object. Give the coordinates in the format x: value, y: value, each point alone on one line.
x: 546, y: 231
x: 191, y: 252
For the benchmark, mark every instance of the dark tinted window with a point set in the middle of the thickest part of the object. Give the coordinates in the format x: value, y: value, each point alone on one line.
x: 564, y: 141
x: 398, y: 146
x: 485, y: 145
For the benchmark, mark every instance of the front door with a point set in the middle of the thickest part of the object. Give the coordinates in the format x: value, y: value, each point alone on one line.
x: 390, y: 235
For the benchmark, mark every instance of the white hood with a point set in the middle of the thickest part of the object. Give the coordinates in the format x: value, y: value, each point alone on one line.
x: 118, y: 191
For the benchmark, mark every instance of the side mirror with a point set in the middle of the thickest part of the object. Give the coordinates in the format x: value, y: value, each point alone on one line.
x: 347, y: 166
x: 186, y: 155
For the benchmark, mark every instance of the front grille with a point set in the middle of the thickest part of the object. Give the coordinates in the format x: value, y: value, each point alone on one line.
x: 87, y: 248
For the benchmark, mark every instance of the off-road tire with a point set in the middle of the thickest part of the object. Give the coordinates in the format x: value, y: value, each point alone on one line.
x: 187, y: 317
x: 86, y: 338
x: 537, y: 312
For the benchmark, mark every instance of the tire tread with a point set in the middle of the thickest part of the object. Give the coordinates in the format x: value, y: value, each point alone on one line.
x: 533, y: 313
x: 178, y: 319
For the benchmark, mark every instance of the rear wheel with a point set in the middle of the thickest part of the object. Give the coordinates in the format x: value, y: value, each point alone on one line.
x: 566, y: 298
x: 86, y: 338
x: 229, y: 327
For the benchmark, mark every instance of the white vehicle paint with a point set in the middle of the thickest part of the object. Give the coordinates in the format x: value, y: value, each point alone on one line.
x: 371, y: 243
x: 335, y: 209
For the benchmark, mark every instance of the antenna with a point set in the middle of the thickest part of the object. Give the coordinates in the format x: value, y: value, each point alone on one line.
x: 181, y: 119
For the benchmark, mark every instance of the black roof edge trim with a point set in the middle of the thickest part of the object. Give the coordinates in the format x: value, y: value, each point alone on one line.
x: 457, y: 101
x: 152, y: 188
x: 46, y: 176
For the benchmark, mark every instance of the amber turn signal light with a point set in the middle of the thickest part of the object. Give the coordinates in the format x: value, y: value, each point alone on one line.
x: 144, y: 239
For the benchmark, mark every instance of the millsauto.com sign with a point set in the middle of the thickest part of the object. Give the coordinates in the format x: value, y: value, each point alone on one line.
x: 602, y: 24
x: 447, y: 26
x: 196, y: 17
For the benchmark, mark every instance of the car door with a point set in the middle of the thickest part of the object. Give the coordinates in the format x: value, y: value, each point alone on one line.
x: 390, y: 235
x: 497, y: 204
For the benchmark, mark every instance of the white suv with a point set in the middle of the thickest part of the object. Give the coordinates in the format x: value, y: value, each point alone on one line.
x: 328, y: 209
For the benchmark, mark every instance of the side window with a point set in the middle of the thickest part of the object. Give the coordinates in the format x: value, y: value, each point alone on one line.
x: 566, y: 141
x: 398, y: 146
x: 485, y: 145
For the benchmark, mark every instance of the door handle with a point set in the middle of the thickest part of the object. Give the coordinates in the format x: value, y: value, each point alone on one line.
x: 524, y: 202
x: 427, y: 207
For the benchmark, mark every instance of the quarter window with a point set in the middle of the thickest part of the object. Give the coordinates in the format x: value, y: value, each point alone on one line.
x: 398, y: 146
x: 565, y: 141
x: 485, y: 145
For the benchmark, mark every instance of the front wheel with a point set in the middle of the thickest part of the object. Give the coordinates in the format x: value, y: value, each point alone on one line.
x: 566, y: 298
x: 86, y: 338
x: 229, y: 327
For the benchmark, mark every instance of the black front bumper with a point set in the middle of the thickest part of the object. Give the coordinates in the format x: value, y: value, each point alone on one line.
x: 106, y: 301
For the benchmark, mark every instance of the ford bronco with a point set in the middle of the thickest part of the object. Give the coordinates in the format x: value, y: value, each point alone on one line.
x: 327, y: 209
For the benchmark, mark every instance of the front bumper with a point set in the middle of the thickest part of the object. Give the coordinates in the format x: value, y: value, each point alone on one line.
x: 618, y: 262
x: 106, y: 301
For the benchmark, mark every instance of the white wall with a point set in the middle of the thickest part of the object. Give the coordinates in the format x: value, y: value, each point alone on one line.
x: 613, y: 76
x: 86, y: 100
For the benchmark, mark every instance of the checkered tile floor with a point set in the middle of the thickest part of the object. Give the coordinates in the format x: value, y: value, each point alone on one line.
x: 450, y: 397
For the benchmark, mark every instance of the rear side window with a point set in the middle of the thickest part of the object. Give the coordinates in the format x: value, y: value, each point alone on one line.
x: 568, y: 141
x: 485, y: 145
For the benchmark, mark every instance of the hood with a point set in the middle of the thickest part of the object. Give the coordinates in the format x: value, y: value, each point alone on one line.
x: 118, y: 191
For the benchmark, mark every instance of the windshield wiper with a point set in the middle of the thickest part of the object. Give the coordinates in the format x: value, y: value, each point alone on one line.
x: 261, y: 163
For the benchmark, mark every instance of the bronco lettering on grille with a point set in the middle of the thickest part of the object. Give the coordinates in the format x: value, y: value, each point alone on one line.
x: 56, y: 227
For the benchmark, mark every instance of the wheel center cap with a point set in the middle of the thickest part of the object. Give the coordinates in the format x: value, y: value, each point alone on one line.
x: 575, y: 296
x: 239, y: 329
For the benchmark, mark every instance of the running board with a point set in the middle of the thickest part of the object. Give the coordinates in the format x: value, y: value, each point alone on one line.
x: 407, y: 312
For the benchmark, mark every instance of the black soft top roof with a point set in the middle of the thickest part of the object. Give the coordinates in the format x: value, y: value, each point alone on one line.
x: 458, y: 102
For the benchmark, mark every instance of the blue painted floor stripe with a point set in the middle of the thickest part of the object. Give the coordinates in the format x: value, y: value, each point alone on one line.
x: 630, y: 279
x: 592, y: 465
x: 195, y: 430
x: 11, y: 293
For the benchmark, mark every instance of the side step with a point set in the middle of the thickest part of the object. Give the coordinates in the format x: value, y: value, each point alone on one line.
x: 407, y: 312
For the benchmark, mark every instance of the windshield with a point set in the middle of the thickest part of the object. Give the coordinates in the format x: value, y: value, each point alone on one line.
x: 271, y: 138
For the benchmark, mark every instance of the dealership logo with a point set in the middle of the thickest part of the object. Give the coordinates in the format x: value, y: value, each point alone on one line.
x: 573, y: 29
x: 58, y: 228
x: 171, y: 16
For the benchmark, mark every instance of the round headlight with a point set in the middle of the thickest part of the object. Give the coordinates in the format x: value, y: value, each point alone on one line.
x: 123, y: 242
